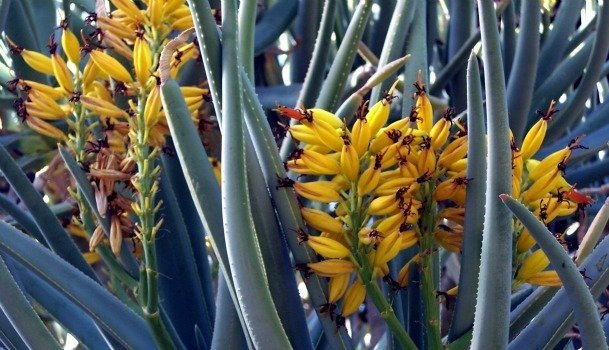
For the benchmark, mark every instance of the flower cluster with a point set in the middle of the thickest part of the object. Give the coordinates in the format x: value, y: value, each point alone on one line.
x: 381, y: 189
x: 540, y: 185
x: 374, y: 190
x: 107, y: 90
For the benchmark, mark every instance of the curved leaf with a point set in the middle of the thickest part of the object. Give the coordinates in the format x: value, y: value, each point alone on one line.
x: 21, y: 314
x: 573, y: 283
x: 493, y: 302
x: 113, y: 316
x: 395, y: 39
x: 56, y: 237
x: 335, y: 82
x: 571, y: 110
x: 554, y: 45
x: 463, y: 317
x: 228, y: 333
x: 285, y: 203
x: 522, y: 77
x: 22, y: 218
x: 180, y: 289
x: 62, y: 309
x: 255, y: 300
x: 274, y: 21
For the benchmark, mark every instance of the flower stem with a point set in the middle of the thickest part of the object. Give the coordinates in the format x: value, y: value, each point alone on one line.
x: 431, y: 309
x: 385, y: 309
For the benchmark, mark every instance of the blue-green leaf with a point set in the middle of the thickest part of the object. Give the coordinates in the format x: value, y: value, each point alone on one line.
x: 20, y: 313
x: 61, y: 308
x: 228, y: 333
x: 491, y: 320
x: 113, y: 316
x: 463, y: 317
x: 582, y: 302
x: 56, y: 237
x: 180, y: 289
x: 273, y: 22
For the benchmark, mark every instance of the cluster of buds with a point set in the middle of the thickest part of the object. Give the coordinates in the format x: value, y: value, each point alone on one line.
x: 374, y: 190
x: 381, y: 192
x: 107, y: 90
x: 540, y: 185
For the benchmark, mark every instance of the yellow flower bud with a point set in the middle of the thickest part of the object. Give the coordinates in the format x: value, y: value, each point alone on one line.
x: 545, y: 278
x: 129, y: 8
x: 338, y: 286
x: 369, y: 179
x: 44, y: 128
x: 541, y: 187
x: 327, y: 134
x: 332, y: 267
x: 116, y: 27
x: 321, y: 191
x: 534, y: 263
x: 320, y: 163
x: 70, y: 45
x: 455, y: 150
x: 38, y: 62
x: 360, y: 136
x: 328, y: 117
x: 321, y: 221
x: 142, y: 60
x: 423, y: 108
x: 408, y: 239
x: 548, y: 163
x: 110, y: 66
x: 349, y: 162
x: 155, y: 12
x: 534, y: 138
x: 385, y: 205
x: 327, y: 247
x: 525, y: 241
x: 427, y: 161
x: 62, y: 74
x: 102, y: 107
x: 440, y: 131
x: 378, y: 114
x: 54, y: 93
x: 153, y: 107
x: 354, y: 298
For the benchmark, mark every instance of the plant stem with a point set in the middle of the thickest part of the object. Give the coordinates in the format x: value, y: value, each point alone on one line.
x: 431, y: 309
x: 384, y: 308
x: 366, y: 273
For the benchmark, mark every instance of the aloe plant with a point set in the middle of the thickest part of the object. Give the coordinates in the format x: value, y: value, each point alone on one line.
x: 303, y: 174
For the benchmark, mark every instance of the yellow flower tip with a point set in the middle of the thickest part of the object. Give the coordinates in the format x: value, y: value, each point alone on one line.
x: 370, y: 178
x: 142, y: 60
x: 331, y: 267
x: 69, y: 43
x: 337, y: 287
x: 378, y: 114
x: 328, y: 247
x: 423, y: 107
x: 354, y: 297
x: 441, y: 129
x: 525, y: 241
x: 321, y: 221
x: 545, y: 278
x: 321, y: 191
x: 110, y: 66
x: 349, y: 161
x: 534, y: 263
x: 387, y: 249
